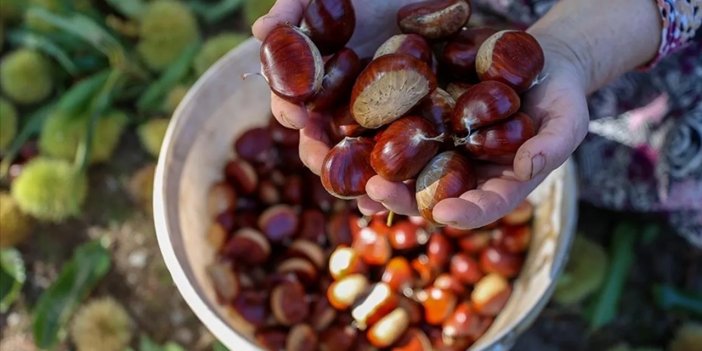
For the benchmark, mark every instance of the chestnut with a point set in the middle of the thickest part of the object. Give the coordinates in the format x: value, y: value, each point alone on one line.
x: 288, y: 303
x: 425, y: 271
x: 434, y: 19
x: 308, y: 250
x: 344, y: 292
x: 344, y: 125
x: 439, y: 250
x: 398, y: 274
x: 345, y: 261
x: 301, y: 338
x: 465, y: 322
x: 413, y: 340
x: 268, y: 193
x: 220, y: 198
x: 242, y: 176
x: 248, y: 246
x: 254, y: 145
x: 405, y: 235
x: 409, y: 44
x: 226, y: 220
x: 346, y: 168
x: 300, y: 268
x: 313, y: 226
x: 389, y: 329
x: 499, y: 143
x: 338, y: 338
x: 513, y: 239
x: 379, y: 302
x: 329, y: 24
x: 459, y: 53
x: 484, y: 104
x: 490, y: 294
x: 476, y: 241
x: 338, y: 229
x: 389, y: 87
x: 225, y: 281
x: 271, y: 338
x: 465, y: 268
x: 374, y: 248
x: 291, y: 64
x: 500, y: 261
x: 456, y: 89
x: 322, y: 314
x: 438, y: 304
x: 252, y: 307
x: 446, y: 281
x: 511, y: 57
x: 278, y: 223
x: 520, y: 215
x: 414, y: 309
x: 437, y: 108
x: 292, y: 190
x: 456, y: 233
x: 319, y: 198
x: 447, y: 175
x: 282, y: 135
x: 340, y: 72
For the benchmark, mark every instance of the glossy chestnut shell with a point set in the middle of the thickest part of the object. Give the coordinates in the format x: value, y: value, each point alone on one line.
x: 511, y: 57
x: 434, y: 19
x: 484, y: 104
x: 499, y: 143
x: 340, y: 72
x: 459, y: 53
x: 329, y: 23
x: 346, y: 168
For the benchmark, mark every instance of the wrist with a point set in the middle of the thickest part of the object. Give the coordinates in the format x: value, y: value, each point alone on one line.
x: 565, y: 58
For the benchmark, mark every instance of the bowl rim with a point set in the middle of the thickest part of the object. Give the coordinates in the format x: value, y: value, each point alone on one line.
x: 183, y: 278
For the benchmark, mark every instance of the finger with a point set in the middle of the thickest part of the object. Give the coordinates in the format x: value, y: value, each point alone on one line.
x: 558, y: 136
x: 396, y: 197
x: 284, y: 11
x: 288, y: 114
x: 314, y: 146
x: 482, y: 206
x: 368, y: 206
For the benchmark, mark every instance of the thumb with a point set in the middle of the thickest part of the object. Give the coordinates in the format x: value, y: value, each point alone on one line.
x: 284, y: 11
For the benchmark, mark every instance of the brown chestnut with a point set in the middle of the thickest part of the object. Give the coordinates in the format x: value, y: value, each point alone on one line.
x: 346, y: 168
x: 389, y: 329
x: 340, y: 72
x: 343, y: 124
x: 511, y: 57
x: 513, y: 239
x: 447, y: 175
x: 300, y: 268
x: 308, y: 250
x: 465, y: 323
x: 292, y: 190
x: 499, y: 143
x: 225, y: 281
x: 242, y: 176
x: 252, y: 307
x: 248, y: 246
x: 329, y: 23
x: 313, y: 226
x: 379, y: 302
x: 490, y: 294
x: 409, y: 44
x: 345, y: 261
x: 282, y: 135
x: 476, y: 241
x: 322, y: 314
x: 343, y: 293
x: 291, y: 64
x: 437, y: 108
x: 414, y: 309
x: 446, y: 281
x: 278, y: 223
x: 338, y: 338
x: 413, y: 340
x: 301, y: 338
x: 271, y: 338
x: 438, y: 304
x: 405, y: 235
x: 500, y: 261
x: 465, y: 268
x: 373, y: 247
x: 288, y: 303
x: 404, y: 148
x: 425, y: 271
x: 338, y: 229
x: 439, y: 251
x: 254, y: 145
x: 389, y: 87
x: 459, y: 53
x: 456, y: 89
x: 520, y: 215
x: 268, y: 193
x: 434, y: 19
x: 398, y: 274
x: 484, y: 104
x: 221, y: 198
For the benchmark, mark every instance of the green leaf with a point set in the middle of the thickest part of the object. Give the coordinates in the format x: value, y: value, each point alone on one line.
x: 76, y: 99
x: 146, y: 344
x: 621, y: 252
x: 130, y: 8
x: 669, y: 297
x: 171, y: 346
x: 45, y: 45
x: 218, y: 346
x: 78, y: 277
x: 12, y: 277
x: 215, y: 13
x: 152, y: 97
x: 30, y: 128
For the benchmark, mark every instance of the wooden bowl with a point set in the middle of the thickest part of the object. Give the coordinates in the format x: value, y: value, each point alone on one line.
x: 199, y: 142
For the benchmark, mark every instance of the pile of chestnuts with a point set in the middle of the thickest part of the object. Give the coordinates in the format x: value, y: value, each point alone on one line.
x: 301, y: 270
x: 428, y: 106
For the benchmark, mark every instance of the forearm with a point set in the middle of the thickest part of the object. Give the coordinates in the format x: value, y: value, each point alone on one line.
x: 602, y: 38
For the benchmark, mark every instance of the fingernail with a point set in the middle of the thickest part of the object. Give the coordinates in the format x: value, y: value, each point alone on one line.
x: 538, y: 163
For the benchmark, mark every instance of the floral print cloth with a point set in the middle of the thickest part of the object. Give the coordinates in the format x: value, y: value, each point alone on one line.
x: 644, y: 149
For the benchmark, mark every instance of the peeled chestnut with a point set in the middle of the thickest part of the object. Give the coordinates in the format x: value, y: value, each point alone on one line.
x: 340, y: 72
x: 459, y: 53
x: 346, y: 168
x: 329, y: 23
x: 389, y: 87
x: 291, y: 64
x: 499, y: 143
x: 437, y: 108
x: 447, y: 175
x: 511, y: 57
x: 434, y: 19
x: 409, y: 44
x: 402, y: 150
x: 484, y: 104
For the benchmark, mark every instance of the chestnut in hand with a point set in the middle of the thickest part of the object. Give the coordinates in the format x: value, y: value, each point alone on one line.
x: 459, y: 53
x: 511, y: 57
x: 499, y: 143
x: 347, y: 169
x: 409, y: 44
x: 484, y: 104
x: 291, y: 64
x: 389, y: 87
x: 404, y: 148
x: 447, y: 175
x: 434, y: 19
x: 438, y: 108
x: 329, y: 23
x: 340, y: 72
